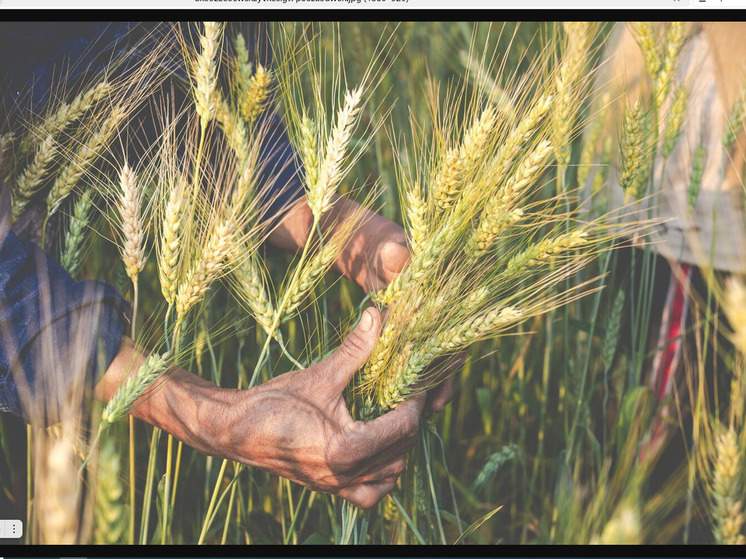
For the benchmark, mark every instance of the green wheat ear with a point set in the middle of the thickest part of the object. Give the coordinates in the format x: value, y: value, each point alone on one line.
x: 110, y: 516
x: 72, y: 253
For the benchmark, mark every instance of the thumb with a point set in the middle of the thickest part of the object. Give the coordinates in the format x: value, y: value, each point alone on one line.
x: 356, y: 348
x: 394, y: 257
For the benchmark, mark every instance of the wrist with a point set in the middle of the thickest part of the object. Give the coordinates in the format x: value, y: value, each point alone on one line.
x: 193, y: 410
x: 188, y: 407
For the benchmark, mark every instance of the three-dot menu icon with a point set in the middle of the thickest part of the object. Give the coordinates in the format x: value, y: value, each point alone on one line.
x: 11, y: 529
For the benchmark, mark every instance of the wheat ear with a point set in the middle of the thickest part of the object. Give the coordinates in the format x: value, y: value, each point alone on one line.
x: 207, y: 268
x: 30, y: 181
x: 130, y: 212
x: 673, y: 43
x: 498, y: 213
x: 168, y: 263
x: 206, y: 71
x: 242, y: 63
x: 251, y: 284
x: 330, y: 172
x: 72, y: 253
x: 459, y: 162
x: 110, y: 518
x: 135, y: 386
x: 726, y: 494
x: 311, y: 274
x: 674, y: 122
x: 65, y: 115
x: 568, y: 84
x: 400, y: 383
x: 514, y: 143
x: 256, y: 95
x: 633, y: 174
x: 83, y: 159
x: 309, y: 152
x: 416, y: 212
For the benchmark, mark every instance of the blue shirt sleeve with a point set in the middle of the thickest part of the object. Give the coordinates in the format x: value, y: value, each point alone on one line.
x: 57, y: 336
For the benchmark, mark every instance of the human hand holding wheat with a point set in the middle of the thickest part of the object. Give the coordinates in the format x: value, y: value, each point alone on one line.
x: 297, y: 425
x: 300, y: 427
x: 375, y: 254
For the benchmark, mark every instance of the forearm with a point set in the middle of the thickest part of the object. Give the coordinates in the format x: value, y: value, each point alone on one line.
x: 181, y: 403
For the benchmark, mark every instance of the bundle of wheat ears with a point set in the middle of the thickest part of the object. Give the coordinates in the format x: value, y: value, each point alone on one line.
x: 489, y: 248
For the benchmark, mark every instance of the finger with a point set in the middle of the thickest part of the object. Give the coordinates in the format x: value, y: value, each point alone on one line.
x: 354, y: 351
x: 388, y: 472
x: 366, y: 495
x: 442, y: 395
x: 394, y: 432
x: 394, y: 257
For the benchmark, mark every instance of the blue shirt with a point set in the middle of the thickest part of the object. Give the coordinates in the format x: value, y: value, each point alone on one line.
x: 54, y: 331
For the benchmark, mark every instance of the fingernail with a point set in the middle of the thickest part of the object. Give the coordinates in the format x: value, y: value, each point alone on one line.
x: 366, y: 322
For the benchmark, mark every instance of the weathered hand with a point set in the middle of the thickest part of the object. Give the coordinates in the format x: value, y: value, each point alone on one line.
x: 375, y: 255
x: 297, y: 425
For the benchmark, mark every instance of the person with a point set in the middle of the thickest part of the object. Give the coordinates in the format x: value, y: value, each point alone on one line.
x: 296, y: 425
x: 700, y: 213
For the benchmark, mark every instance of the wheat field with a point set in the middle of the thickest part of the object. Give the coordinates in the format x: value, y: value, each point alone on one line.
x: 526, y: 180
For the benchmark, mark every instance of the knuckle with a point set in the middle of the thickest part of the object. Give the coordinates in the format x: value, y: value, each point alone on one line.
x: 367, y: 503
x: 410, y: 428
x: 353, y: 346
